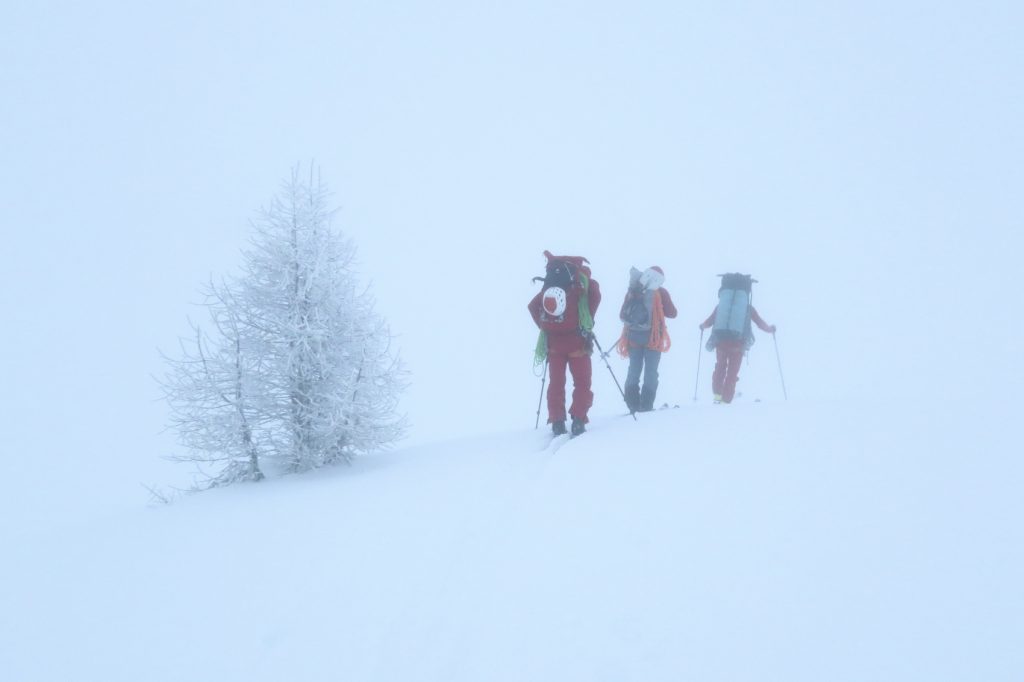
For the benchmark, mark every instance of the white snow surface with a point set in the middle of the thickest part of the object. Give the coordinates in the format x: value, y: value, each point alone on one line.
x: 758, y: 541
x: 861, y: 160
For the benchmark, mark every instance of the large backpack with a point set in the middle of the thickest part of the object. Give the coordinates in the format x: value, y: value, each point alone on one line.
x: 560, y: 273
x: 566, y: 273
x: 563, y: 273
x: 635, y: 311
x: 732, y: 317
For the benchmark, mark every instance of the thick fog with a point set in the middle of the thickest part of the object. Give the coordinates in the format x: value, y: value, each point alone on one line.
x: 861, y: 160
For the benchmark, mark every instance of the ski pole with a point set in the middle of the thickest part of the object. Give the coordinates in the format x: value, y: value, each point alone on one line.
x: 614, y: 378
x: 696, y: 384
x: 608, y: 352
x: 543, y: 379
x: 779, y: 360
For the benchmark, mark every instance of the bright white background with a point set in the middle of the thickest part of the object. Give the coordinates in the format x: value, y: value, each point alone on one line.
x: 861, y: 159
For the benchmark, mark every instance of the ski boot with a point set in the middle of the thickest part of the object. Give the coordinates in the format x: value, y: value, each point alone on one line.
x: 578, y: 426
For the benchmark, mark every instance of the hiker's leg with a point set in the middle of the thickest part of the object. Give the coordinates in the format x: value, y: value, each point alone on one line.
x: 721, y: 363
x: 556, y: 387
x: 652, y: 358
x: 632, y: 389
x: 582, y: 396
x: 732, y: 373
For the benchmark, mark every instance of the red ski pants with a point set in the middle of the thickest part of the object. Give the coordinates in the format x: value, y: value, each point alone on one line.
x: 582, y: 397
x: 727, y: 369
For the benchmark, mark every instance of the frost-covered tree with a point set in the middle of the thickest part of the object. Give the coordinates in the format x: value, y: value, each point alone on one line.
x: 298, y: 371
x: 213, y: 394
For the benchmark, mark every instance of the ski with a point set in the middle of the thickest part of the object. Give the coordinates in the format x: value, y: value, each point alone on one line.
x: 557, y: 442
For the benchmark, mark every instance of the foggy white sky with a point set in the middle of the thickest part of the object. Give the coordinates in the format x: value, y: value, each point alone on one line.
x: 861, y: 159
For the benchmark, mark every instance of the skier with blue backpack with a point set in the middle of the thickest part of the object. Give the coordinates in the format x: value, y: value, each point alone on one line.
x: 731, y: 332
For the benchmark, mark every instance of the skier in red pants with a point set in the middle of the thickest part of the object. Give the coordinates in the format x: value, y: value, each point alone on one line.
x: 729, y: 355
x: 566, y: 333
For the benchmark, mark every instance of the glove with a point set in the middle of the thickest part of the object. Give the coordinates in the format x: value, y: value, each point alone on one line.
x: 703, y: 326
x: 771, y: 330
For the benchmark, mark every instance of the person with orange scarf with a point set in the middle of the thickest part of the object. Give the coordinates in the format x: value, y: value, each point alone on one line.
x: 644, y: 334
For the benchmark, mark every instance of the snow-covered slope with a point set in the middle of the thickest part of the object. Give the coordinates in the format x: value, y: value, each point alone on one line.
x: 759, y: 541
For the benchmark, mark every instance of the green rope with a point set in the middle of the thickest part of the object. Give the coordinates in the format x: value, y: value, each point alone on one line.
x: 540, y: 353
x: 586, y: 320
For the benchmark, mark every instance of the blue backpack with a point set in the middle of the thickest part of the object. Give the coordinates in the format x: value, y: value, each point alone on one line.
x: 732, y: 317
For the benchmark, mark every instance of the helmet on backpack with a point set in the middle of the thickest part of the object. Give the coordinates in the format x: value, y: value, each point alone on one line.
x: 554, y: 301
x: 652, y: 278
